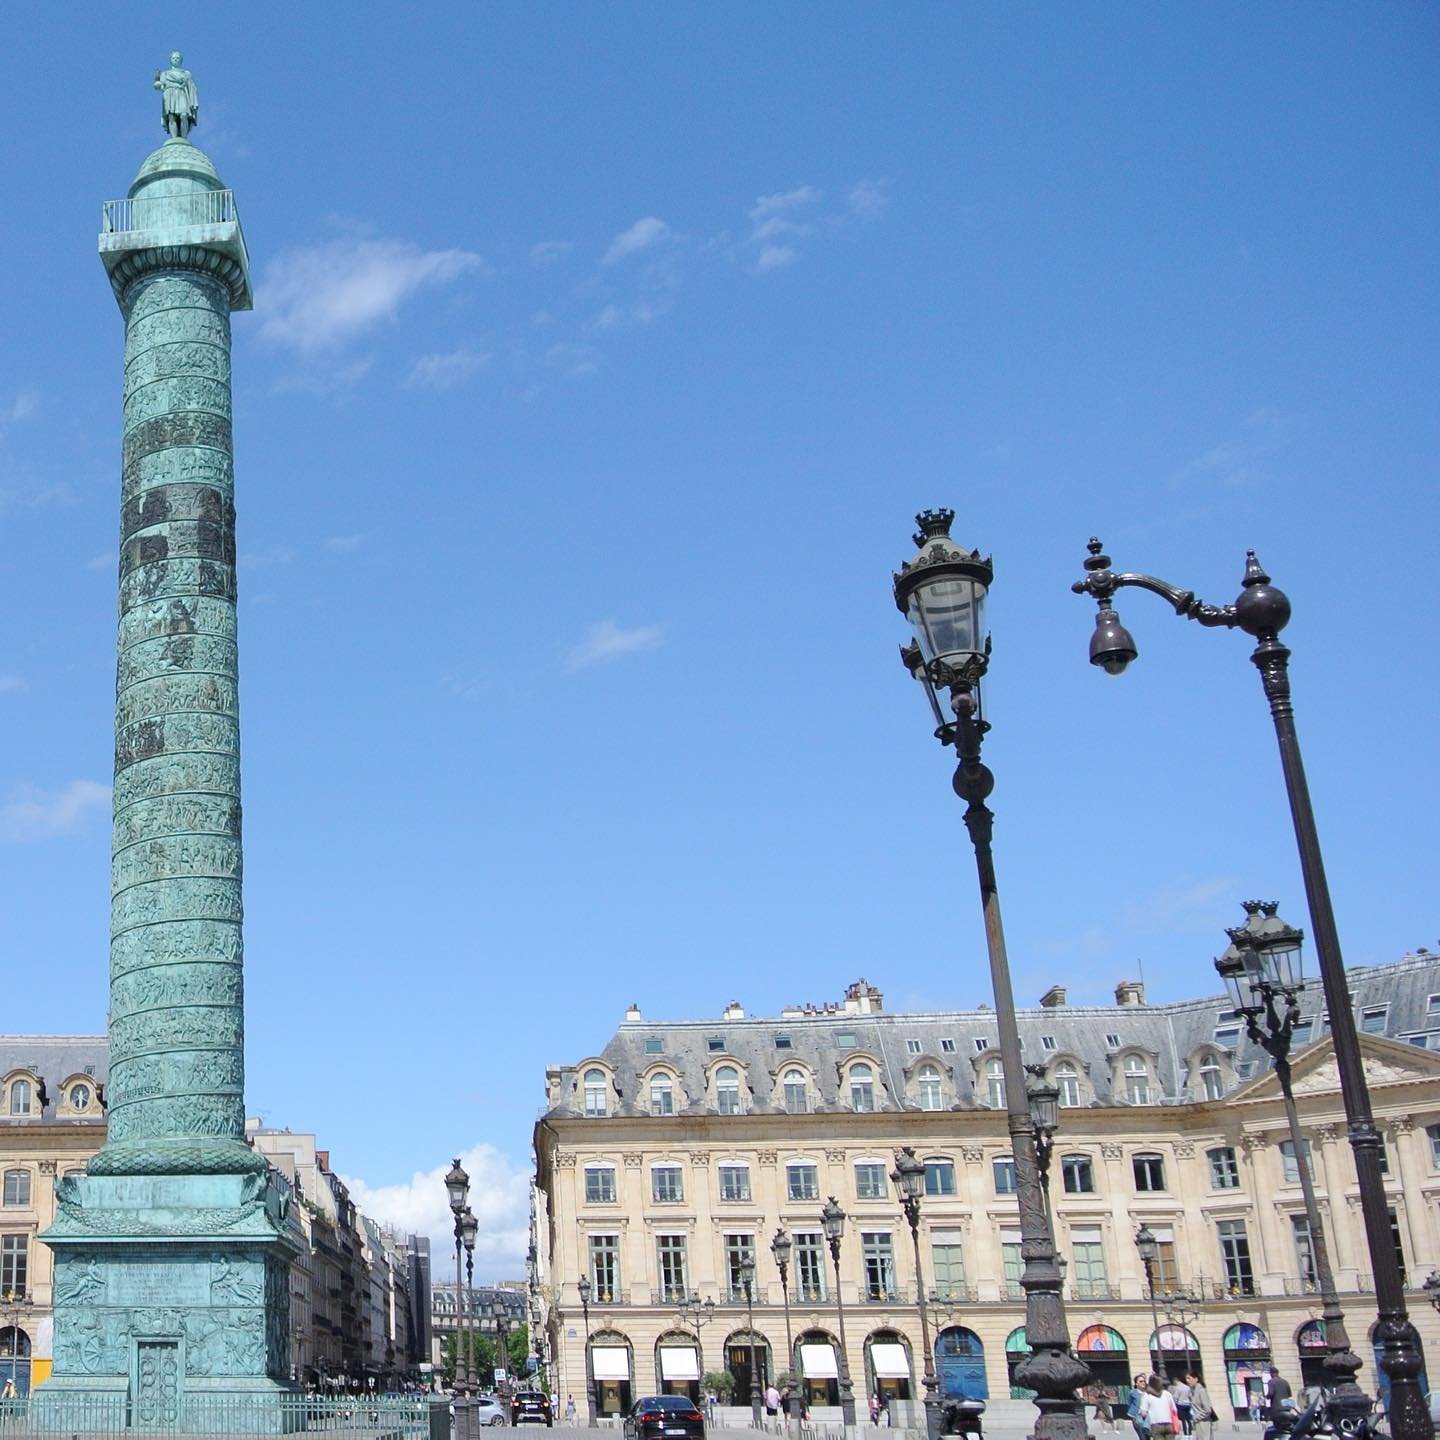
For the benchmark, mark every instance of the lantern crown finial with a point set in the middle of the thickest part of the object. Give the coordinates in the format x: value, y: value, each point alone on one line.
x: 934, y: 524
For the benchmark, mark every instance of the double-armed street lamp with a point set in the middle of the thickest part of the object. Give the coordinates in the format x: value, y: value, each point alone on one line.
x: 1264, y: 971
x: 746, y: 1269
x: 908, y: 1178
x: 1262, y: 611
x: 584, y: 1288
x: 942, y: 591
x: 780, y: 1247
x: 698, y: 1312
x: 832, y: 1221
x: 457, y: 1189
x: 1149, y: 1249
x: 501, y: 1316
x: 1044, y: 1097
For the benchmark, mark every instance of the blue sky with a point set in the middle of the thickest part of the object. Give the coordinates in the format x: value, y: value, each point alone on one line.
x: 600, y: 359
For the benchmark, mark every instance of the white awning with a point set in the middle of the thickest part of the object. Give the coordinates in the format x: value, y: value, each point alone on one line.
x: 889, y: 1360
x: 610, y: 1362
x: 678, y: 1363
x: 817, y: 1362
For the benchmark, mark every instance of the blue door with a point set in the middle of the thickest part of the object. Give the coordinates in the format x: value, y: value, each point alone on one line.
x: 960, y: 1360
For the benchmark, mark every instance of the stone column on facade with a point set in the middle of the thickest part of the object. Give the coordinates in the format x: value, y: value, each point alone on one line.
x: 1402, y: 1170
x: 1332, y: 1203
x: 1259, y: 1189
x: 171, y: 1254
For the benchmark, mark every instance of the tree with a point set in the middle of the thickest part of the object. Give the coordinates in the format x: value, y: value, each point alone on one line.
x: 721, y: 1383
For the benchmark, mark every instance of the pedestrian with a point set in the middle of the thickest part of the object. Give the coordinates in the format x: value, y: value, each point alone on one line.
x: 1202, y: 1409
x: 1180, y: 1394
x: 875, y: 1409
x: 1160, y: 1412
x: 772, y: 1400
x: 1100, y: 1397
x: 1135, y: 1409
x: 569, y: 1409
x: 8, y: 1393
x: 1281, y: 1396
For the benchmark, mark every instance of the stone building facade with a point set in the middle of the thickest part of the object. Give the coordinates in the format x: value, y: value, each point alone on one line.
x: 675, y: 1152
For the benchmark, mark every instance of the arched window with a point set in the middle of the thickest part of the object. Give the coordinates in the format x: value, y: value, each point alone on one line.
x: 17, y: 1187
x: 995, y: 1083
x: 21, y: 1096
x: 862, y: 1086
x: 797, y: 1100
x: 662, y: 1095
x: 1211, y: 1085
x: 927, y: 1088
x: 1067, y: 1081
x: 727, y: 1090
x: 1137, y: 1081
x: 597, y: 1096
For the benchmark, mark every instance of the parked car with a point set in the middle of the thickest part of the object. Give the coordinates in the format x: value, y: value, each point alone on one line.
x: 531, y: 1407
x: 489, y: 1410
x: 657, y: 1417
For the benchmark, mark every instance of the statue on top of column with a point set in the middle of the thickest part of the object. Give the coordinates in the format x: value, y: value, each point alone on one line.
x: 179, y: 100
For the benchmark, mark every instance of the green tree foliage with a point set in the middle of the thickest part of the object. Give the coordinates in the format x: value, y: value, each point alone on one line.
x: 481, y: 1349
x: 721, y: 1383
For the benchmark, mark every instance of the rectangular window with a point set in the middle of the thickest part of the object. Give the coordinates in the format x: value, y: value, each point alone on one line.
x: 802, y: 1182
x: 1432, y: 1004
x: 1112, y: 1042
x: 1167, y: 1269
x: 1047, y: 1042
x: 809, y: 1265
x: 947, y: 1263
x: 1077, y: 1174
x: 1011, y: 1263
x: 715, y: 1044
x: 1149, y: 1172
x: 1300, y: 1035
x: 654, y: 1045
x: 670, y: 1258
x: 605, y: 1267
x: 1235, y: 1257
x: 1394, y: 1235
x: 796, y: 1100
x: 17, y: 1187
x: 870, y: 1181
x: 15, y: 1263
x: 912, y: 1047
x: 845, y: 1040
x: 738, y: 1249
x: 599, y: 1184
x: 1003, y: 1168
x: 878, y: 1255
x: 947, y: 1047
x: 666, y: 1185
x: 981, y: 1043
x: 782, y: 1042
x: 734, y: 1182
x: 1087, y: 1264
x: 1228, y: 1036
x: 1290, y: 1166
x: 1384, y: 1158
x: 1433, y: 1131
x: 1224, y: 1169
x: 1304, y: 1252
x: 939, y: 1177
x: 1372, y: 1019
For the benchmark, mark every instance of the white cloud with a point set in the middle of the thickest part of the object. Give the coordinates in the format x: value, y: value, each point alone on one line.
x: 499, y: 1196
x: 105, y: 560
x: 11, y: 684
x: 640, y: 236
x: 343, y: 544
x: 868, y: 198
x: 1184, y: 905
x: 22, y: 407
x: 785, y: 201
x: 605, y: 641
x: 328, y: 381
x: 264, y: 559
x: 324, y: 295
x: 548, y: 252
x: 776, y: 257
x: 35, y: 814
x: 445, y: 371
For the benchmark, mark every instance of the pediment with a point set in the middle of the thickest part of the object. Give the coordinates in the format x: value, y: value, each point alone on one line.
x: 1316, y: 1071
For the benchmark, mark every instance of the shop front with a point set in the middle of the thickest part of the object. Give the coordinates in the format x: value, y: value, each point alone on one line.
x: 887, y: 1359
x: 819, y: 1369
x: 1247, y: 1353
x: 610, y: 1360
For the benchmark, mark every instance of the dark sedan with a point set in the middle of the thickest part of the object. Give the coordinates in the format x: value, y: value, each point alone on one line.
x: 658, y: 1417
x: 531, y: 1407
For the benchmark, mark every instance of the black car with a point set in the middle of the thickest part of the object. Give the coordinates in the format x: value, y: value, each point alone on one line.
x: 657, y: 1417
x: 531, y: 1407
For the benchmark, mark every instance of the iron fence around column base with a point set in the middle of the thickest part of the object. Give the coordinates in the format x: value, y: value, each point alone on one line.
x: 76, y: 1415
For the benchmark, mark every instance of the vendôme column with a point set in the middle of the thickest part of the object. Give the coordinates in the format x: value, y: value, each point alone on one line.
x: 171, y: 1274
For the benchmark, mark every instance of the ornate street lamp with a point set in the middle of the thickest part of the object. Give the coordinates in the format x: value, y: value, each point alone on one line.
x: 1262, y: 612
x: 457, y: 1189
x: 908, y: 1178
x: 698, y: 1312
x: 942, y: 590
x: 832, y: 1221
x: 747, y: 1283
x: 469, y: 1226
x: 1431, y: 1287
x: 1149, y: 1249
x: 501, y: 1317
x: 17, y: 1305
x: 584, y: 1288
x: 780, y: 1247
x: 1044, y: 1096
x: 1263, y: 971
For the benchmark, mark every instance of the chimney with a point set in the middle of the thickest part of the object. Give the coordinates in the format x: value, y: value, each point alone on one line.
x: 734, y: 1011
x: 1053, y: 998
x: 632, y: 1011
x: 863, y: 999
x: 1130, y: 993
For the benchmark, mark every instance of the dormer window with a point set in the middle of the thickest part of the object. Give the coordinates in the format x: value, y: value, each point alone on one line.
x: 727, y: 1090
x: 1067, y: 1081
x: 995, y: 1083
x: 927, y: 1088
x: 797, y: 1100
x: 22, y: 1097
x: 597, y: 1093
x: 1137, y: 1081
x: 80, y: 1097
x: 1212, y: 1085
x: 662, y: 1095
x: 862, y: 1086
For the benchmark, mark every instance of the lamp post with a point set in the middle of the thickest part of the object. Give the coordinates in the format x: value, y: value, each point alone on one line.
x: 1149, y: 1248
x: 832, y: 1221
x: 457, y: 1189
x: 584, y: 1288
x: 1044, y: 1097
x: 468, y: 1227
x: 908, y: 1178
x: 1263, y: 971
x: 942, y: 591
x: 16, y: 1306
x: 501, y: 1317
x: 1262, y: 612
x: 698, y: 1312
x: 747, y: 1283
x: 780, y: 1247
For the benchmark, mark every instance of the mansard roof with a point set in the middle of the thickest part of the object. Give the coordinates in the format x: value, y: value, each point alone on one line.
x: 54, y: 1059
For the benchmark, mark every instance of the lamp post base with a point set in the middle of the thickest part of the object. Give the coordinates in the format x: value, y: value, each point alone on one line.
x: 934, y: 1412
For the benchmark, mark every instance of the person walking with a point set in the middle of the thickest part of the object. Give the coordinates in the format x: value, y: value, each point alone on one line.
x: 1100, y: 1396
x: 1281, y: 1396
x: 1180, y: 1394
x: 569, y: 1409
x: 1160, y: 1412
x: 1202, y: 1409
x: 1135, y: 1409
x: 875, y: 1409
x: 772, y: 1400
